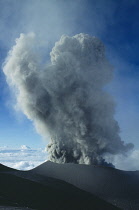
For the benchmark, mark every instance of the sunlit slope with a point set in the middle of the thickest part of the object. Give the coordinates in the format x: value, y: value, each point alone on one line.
x: 120, y: 188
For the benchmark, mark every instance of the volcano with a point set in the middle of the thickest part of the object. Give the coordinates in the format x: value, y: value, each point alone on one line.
x: 69, y: 186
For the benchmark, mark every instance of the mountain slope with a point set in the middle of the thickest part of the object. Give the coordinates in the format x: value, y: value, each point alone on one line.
x: 120, y: 188
x: 29, y: 189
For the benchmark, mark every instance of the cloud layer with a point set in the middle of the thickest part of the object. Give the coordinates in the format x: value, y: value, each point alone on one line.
x: 23, y: 158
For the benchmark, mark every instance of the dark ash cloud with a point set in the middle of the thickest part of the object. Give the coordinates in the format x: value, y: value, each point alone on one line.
x: 66, y: 98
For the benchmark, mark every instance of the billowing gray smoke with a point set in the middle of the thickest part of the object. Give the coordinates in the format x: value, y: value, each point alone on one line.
x: 66, y: 98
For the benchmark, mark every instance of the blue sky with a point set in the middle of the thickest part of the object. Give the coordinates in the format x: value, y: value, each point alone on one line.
x: 115, y: 22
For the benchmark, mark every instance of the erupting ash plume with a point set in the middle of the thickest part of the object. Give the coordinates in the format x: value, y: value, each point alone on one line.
x: 66, y: 98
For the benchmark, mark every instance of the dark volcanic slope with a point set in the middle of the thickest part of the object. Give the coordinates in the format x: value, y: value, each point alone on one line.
x: 28, y: 189
x: 121, y: 188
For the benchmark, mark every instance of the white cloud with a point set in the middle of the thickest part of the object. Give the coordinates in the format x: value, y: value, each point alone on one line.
x: 24, y: 147
x: 23, y: 165
x: 23, y: 158
x: 129, y: 162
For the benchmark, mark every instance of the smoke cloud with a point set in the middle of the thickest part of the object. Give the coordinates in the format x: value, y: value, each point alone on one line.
x: 66, y: 98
